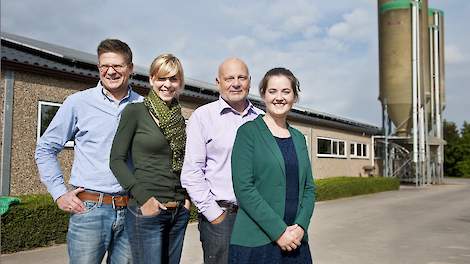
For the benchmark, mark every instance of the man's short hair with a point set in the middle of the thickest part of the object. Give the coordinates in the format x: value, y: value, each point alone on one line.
x: 116, y: 46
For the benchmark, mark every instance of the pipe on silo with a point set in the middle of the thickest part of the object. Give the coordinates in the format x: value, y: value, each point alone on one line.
x: 415, y: 82
x: 437, y: 55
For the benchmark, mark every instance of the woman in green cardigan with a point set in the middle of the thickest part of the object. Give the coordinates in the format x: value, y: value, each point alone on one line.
x: 153, y: 133
x: 272, y: 179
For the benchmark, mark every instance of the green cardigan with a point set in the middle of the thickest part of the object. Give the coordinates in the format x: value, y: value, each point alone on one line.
x: 259, y: 182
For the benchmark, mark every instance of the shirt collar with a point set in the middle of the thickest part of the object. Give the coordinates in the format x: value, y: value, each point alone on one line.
x: 224, y: 107
x: 106, y: 95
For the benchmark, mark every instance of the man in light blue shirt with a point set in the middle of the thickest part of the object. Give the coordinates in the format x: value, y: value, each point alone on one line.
x: 95, y: 199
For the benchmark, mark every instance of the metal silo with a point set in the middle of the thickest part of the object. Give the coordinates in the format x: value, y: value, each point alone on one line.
x: 395, y: 62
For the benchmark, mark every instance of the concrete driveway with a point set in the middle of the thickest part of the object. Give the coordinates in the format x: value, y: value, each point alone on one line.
x: 426, y: 225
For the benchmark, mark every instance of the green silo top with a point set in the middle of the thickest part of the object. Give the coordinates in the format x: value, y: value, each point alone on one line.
x: 396, y: 4
x: 431, y: 11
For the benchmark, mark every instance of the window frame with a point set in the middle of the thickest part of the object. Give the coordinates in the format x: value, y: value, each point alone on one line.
x: 360, y: 146
x: 333, y: 142
x: 68, y: 144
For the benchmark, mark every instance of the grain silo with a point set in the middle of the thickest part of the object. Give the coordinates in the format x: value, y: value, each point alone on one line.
x: 408, y: 65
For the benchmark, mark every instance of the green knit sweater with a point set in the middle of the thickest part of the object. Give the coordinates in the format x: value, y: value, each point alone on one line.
x: 139, y: 135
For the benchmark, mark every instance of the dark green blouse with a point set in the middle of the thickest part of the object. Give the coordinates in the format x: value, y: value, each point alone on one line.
x: 139, y: 136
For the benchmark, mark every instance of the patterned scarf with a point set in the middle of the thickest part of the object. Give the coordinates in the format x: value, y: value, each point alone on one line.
x: 172, y: 123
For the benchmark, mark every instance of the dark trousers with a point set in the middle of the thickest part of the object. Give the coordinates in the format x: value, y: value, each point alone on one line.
x: 215, y: 238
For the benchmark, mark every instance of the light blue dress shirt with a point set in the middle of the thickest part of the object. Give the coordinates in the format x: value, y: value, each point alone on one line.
x: 91, y: 118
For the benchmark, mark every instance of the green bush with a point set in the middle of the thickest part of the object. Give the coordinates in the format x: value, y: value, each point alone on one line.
x: 338, y: 187
x: 37, y: 221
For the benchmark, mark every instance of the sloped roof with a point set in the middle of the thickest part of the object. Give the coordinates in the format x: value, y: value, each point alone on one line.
x: 34, y: 53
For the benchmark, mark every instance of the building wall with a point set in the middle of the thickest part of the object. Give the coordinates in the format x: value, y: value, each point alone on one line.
x: 29, y: 89
x: 324, y: 167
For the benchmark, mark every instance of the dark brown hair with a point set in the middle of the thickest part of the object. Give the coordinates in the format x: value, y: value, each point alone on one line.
x: 263, y: 85
x: 116, y: 46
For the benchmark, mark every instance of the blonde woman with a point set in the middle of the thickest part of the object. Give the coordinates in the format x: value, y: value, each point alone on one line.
x: 152, y: 133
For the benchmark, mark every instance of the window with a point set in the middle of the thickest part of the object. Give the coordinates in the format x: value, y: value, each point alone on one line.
x: 324, y: 146
x: 327, y: 147
x: 359, y: 150
x: 379, y: 150
x: 47, y: 111
x: 341, y: 148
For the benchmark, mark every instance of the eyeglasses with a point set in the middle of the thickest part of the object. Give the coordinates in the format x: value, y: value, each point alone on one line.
x: 116, y: 67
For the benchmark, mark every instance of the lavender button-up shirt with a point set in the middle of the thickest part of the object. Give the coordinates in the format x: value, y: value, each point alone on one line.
x: 207, y: 170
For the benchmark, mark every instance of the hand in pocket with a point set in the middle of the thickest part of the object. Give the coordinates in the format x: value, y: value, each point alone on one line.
x: 152, y: 207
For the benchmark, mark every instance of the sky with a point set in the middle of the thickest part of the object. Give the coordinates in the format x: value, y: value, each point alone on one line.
x: 331, y: 46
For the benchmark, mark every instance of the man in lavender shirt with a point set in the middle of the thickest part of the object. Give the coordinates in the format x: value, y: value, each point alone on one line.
x: 206, y: 172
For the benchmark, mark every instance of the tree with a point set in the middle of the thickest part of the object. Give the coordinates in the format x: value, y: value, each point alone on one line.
x: 451, y: 155
x: 463, y: 165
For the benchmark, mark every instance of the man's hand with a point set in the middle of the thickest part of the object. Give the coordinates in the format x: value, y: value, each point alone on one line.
x: 69, y: 202
x: 287, y: 241
x: 152, y: 207
x: 219, y: 219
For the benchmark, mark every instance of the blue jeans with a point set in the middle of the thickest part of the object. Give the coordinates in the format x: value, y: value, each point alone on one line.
x: 158, y: 238
x: 98, y: 230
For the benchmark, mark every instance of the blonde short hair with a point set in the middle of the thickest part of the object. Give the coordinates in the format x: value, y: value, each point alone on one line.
x: 167, y: 65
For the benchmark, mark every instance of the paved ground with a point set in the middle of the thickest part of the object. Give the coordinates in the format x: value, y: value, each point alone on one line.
x: 427, y: 225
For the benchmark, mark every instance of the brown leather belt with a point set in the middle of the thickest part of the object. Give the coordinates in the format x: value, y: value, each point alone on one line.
x: 171, y: 205
x: 228, y: 206
x: 116, y: 201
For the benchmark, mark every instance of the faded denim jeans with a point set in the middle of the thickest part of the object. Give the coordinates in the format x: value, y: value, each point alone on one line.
x: 215, y: 238
x: 98, y: 230
x: 159, y: 238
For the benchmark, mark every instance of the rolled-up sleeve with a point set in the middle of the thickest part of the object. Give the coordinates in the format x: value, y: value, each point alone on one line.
x: 60, y: 130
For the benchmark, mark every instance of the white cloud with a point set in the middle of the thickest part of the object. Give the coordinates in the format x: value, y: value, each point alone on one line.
x: 240, y: 44
x: 330, y: 45
x: 454, y: 55
x: 355, y: 26
x: 266, y: 34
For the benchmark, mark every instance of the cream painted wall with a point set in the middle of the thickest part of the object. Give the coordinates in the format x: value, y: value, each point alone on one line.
x: 324, y: 167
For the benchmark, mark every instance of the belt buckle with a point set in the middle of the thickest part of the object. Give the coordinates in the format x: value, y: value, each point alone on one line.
x: 113, y: 202
x: 172, y: 204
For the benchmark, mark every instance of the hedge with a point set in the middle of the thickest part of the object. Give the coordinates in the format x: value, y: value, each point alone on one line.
x: 339, y: 187
x: 37, y: 221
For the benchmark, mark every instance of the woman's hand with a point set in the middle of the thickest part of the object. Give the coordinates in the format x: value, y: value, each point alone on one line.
x: 187, y: 203
x: 152, y: 207
x: 287, y: 241
x: 297, y: 231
